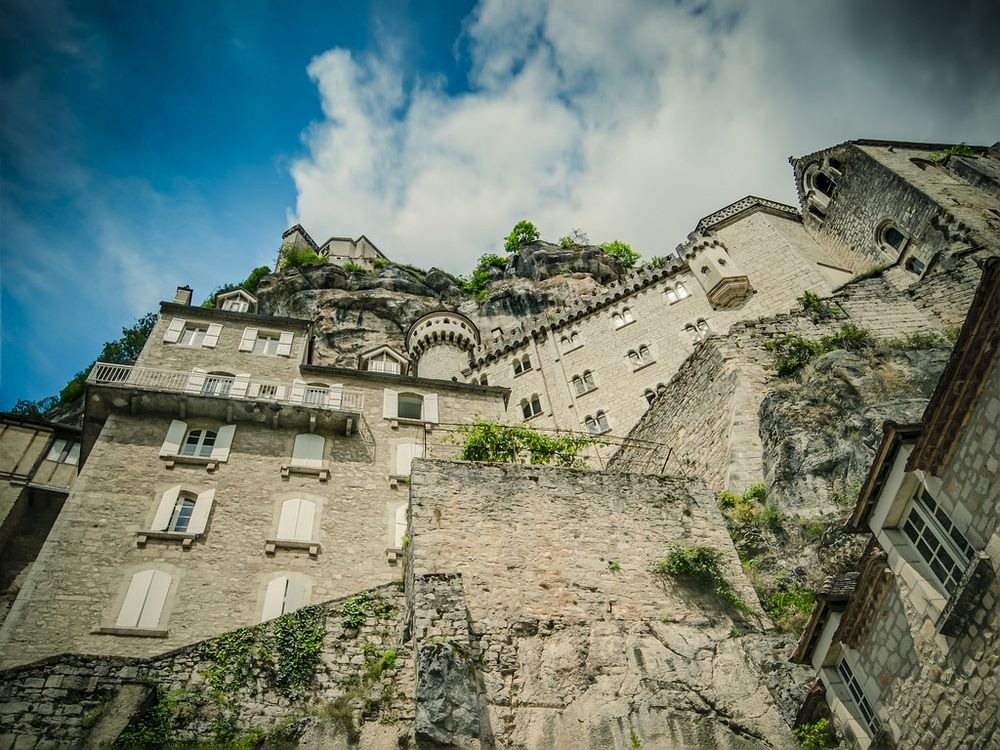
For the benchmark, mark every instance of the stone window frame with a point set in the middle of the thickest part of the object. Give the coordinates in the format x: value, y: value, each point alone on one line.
x: 622, y: 318
x: 531, y: 407
x: 522, y: 365
x: 161, y: 523
x: 850, y: 702
x: 571, y: 342
x: 885, y: 245
x: 171, y: 450
x: 949, y: 541
x: 121, y: 611
x: 428, y: 413
x: 640, y: 358
x: 598, y: 423
x: 584, y: 383
x: 306, y: 531
x: 283, y: 592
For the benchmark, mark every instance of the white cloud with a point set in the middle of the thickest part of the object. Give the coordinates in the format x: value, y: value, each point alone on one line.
x: 630, y: 120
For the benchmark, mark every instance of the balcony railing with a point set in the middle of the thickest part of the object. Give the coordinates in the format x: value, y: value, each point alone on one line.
x: 200, y: 383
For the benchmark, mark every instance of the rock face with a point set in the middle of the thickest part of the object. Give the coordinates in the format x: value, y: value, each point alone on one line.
x: 447, y: 712
x: 543, y: 260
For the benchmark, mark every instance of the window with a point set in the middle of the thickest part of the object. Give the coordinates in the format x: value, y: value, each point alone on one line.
x: 399, y: 527
x: 596, y: 424
x: 64, y: 451
x: 704, y: 270
x: 933, y: 535
x: 703, y: 329
x: 144, y: 600
x: 308, y: 451
x: 384, y: 363
x: 316, y: 394
x: 691, y: 331
x: 411, y: 406
x: 483, y: 381
x: 650, y: 395
x: 915, y: 265
x: 284, y: 594
x: 266, y: 343
x: 199, y: 443
x: 179, y: 331
x: 817, y: 213
x: 296, y: 520
x: 236, y: 304
x: 860, y: 699
x: 569, y: 342
x: 891, y: 239
x: 183, y: 511
x: 403, y: 455
x: 671, y: 296
x: 824, y: 184
x: 641, y: 357
x: 531, y: 407
x: 584, y: 383
x: 522, y: 365
x: 217, y: 384
x: 623, y: 318
x: 682, y: 291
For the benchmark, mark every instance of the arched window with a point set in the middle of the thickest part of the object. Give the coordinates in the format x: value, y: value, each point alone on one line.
x: 531, y: 407
x: 199, y: 443
x: 692, y: 332
x: 671, y: 296
x: 617, y: 320
x: 518, y: 368
x: 574, y: 339
x: 682, y: 291
x: 588, y: 380
x: 526, y: 362
x: 410, y: 406
x: 634, y: 358
x: 660, y: 388
x: 180, y: 519
x: 296, y: 520
x: 578, y: 384
x: 627, y: 315
x: 644, y: 356
x: 824, y: 184
x: 649, y: 395
x: 602, y: 422
x: 703, y: 328
x: 890, y: 235
x: 483, y: 381
x: 722, y: 261
x: 591, y: 424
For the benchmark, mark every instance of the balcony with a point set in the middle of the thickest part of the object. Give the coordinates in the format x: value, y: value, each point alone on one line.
x: 333, y: 398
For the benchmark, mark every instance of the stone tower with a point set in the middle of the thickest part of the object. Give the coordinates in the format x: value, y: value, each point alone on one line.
x: 440, y: 343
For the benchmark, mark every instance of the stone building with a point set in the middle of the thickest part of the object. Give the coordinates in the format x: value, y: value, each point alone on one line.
x: 257, y: 457
x: 906, y: 647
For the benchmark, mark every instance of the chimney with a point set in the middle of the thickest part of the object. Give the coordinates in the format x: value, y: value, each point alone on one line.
x: 183, y: 295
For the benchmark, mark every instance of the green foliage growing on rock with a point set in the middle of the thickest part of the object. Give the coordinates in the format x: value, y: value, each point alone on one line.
x: 815, y: 736
x: 354, y: 269
x: 523, y: 233
x: 478, y: 282
x: 700, y: 566
x: 251, y: 283
x: 357, y: 608
x: 818, y: 309
x: 297, y: 643
x: 150, y: 728
x: 749, y: 510
x: 960, y: 149
x: 792, y: 352
x: 489, y: 441
x: 297, y: 257
x: 788, y: 606
x: 621, y: 250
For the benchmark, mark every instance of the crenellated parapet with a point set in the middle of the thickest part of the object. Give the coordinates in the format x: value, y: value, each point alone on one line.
x: 440, y: 344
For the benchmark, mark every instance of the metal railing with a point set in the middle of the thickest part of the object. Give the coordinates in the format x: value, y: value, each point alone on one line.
x: 195, y: 383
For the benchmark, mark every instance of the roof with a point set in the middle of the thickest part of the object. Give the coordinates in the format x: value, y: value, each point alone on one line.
x: 299, y: 228
x: 975, y: 355
x: 248, y: 317
x: 832, y: 596
x: 743, y: 206
x: 893, y: 436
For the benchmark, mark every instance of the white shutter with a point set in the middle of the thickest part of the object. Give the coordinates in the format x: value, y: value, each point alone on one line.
x: 223, y: 442
x: 165, y: 510
x: 240, y: 384
x: 304, y: 522
x: 196, y: 380
x: 335, y: 396
x: 274, y: 598
x: 138, y: 587
x: 175, y: 436
x: 295, y: 596
x: 400, y: 527
x: 249, y: 337
x: 285, y: 344
x: 279, y: 393
x: 174, y: 331
x: 404, y: 454
x: 253, y: 390
x: 156, y: 597
x: 298, y: 391
x: 212, y: 336
x: 308, y: 451
x: 431, y: 408
x: 288, y: 519
x: 202, y: 509
x: 390, y: 404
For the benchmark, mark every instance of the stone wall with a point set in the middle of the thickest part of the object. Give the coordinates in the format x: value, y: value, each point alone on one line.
x: 557, y: 632
x: 247, y: 684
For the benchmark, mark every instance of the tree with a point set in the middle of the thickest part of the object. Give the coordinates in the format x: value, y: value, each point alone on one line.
x: 523, y: 233
x: 621, y: 250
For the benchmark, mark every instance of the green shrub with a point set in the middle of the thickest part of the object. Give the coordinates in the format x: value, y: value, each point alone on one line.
x: 788, y: 607
x: 354, y: 268
x: 792, y: 353
x: 871, y: 273
x: 489, y: 441
x: 931, y: 340
x: 657, y: 261
x: 816, y: 736
x: 621, y: 250
x: 523, y: 233
x: 380, y: 263
x: 756, y: 492
x: 818, y: 309
x: 491, y: 260
x: 297, y: 257
x: 960, y: 149
x: 699, y: 566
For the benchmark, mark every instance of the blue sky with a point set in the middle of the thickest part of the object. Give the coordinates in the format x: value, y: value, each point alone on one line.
x: 146, y: 145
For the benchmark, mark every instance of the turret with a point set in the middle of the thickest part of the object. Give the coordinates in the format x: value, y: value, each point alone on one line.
x: 439, y: 344
x: 724, y: 282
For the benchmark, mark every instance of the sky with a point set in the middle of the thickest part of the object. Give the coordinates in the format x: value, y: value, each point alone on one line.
x: 145, y: 145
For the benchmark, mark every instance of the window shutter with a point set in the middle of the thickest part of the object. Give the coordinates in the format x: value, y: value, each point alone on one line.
x: 202, y: 509
x: 390, y: 404
x: 212, y: 336
x: 404, y: 454
x: 400, y: 527
x: 304, y: 522
x: 274, y: 598
x: 298, y: 391
x: 174, y: 331
x: 288, y: 519
x: 295, y: 596
x: 196, y: 380
x: 156, y: 597
x: 335, y: 397
x: 223, y: 442
x: 253, y: 390
x: 240, y: 384
x: 249, y: 337
x: 285, y: 344
x: 138, y: 587
x: 279, y: 392
x: 431, y: 408
x: 165, y: 509
x: 175, y: 436
x: 308, y: 451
